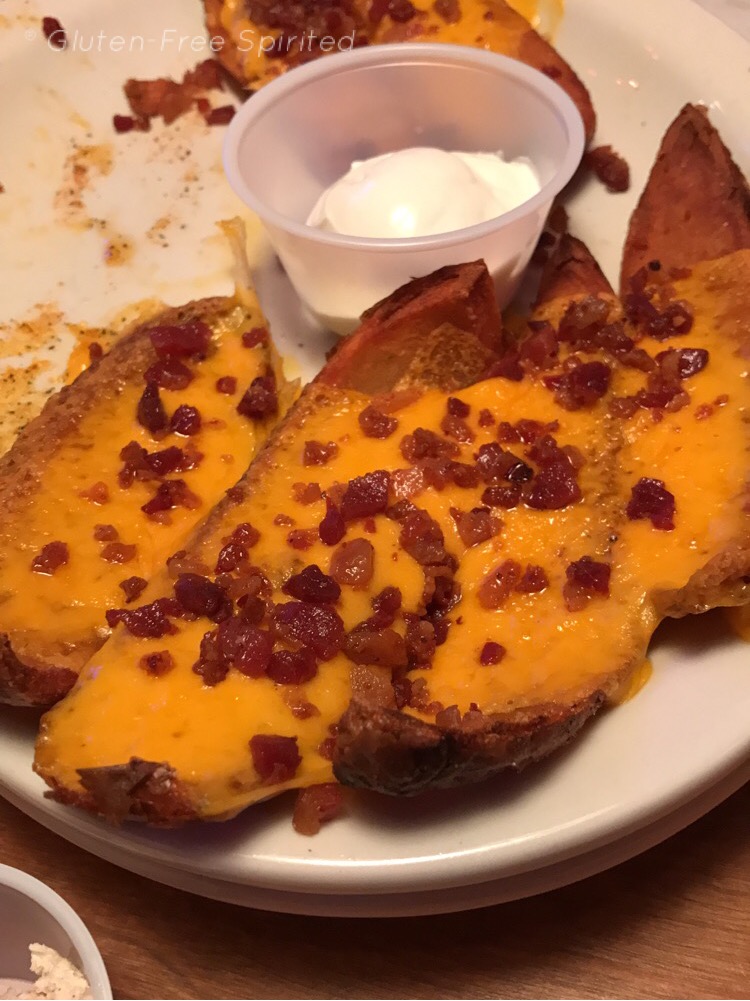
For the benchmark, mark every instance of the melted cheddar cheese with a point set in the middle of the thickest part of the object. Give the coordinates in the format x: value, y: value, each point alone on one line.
x: 118, y: 711
x: 59, y: 617
x: 484, y: 24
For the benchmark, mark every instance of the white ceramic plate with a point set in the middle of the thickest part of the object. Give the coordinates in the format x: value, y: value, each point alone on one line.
x: 640, y: 771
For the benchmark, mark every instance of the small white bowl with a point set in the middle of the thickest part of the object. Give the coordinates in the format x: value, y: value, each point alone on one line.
x: 31, y: 912
x: 291, y: 140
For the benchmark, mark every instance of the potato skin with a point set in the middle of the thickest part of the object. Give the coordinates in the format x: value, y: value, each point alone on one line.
x: 34, y: 672
x: 695, y: 206
x: 510, y: 35
x: 393, y: 753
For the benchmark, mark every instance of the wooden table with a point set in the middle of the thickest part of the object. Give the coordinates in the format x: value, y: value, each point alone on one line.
x: 674, y: 923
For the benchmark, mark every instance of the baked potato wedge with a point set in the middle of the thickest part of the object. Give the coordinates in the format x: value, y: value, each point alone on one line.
x: 260, y: 39
x: 113, y: 475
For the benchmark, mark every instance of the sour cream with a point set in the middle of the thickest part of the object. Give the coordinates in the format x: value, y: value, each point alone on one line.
x: 423, y: 191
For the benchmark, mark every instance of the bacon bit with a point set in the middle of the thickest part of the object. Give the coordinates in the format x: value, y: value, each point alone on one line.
x: 261, y: 399
x: 353, y: 564
x: 454, y: 427
x: 275, y: 759
x: 315, y: 453
x: 582, y: 386
x: 584, y: 325
x: 306, y: 493
x: 540, y: 349
x: 491, y: 653
x: 316, y: 626
x: 54, y: 32
x: 202, y: 597
x: 135, y: 465
x: 682, y: 363
x: 133, y: 587
x: 525, y: 431
x: 150, y: 413
x: 182, y: 340
x: 173, y: 460
x: 302, y: 539
x: 420, y: 642
x: 586, y: 578
x: 333, y: 527
x: 376, y: 647
x: 385, y: 605
x: 243, y: 538
x: 475, y: 526
x: 118, y: 552
x: 207, y: 75
x: 534, y: 580
x: 457, y: 407
x: 186, y: 420
x: 301, y: 708
x: 97, y: 493
x: 555, y: 485
x: 169, y: 373
x: 147, y: 621
x: 366, y: 495
x: 157, y: 664
x: 425, y: 444
x: 252, y: 338
x: 169, y: 495
x: 227, y: 384
x: 106, y: 533
x: 495, y: 463
x: 168, y: 98
x: 650, y: 499
x: 130, y: 123
x: 245, y: 647
x: 419, y: 697
x: 327, y: 747
x: 220, y: 116
x: 292, y: 667
x: 399, y: 11
x: 497, y: 586
x: 311, y: 584
x: 230, y: 557
x: 609, y: 167
x: 50, y: 558
x: 211, y: 666
x: 375, y: 424
x: 486, y: 418
x: 675, y: 320
x: 703, y: 411
x: 422, y: 538
x: 449, y: 10
x: 315, y: 806
x: 506, y: 496
x: 406, y: 483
